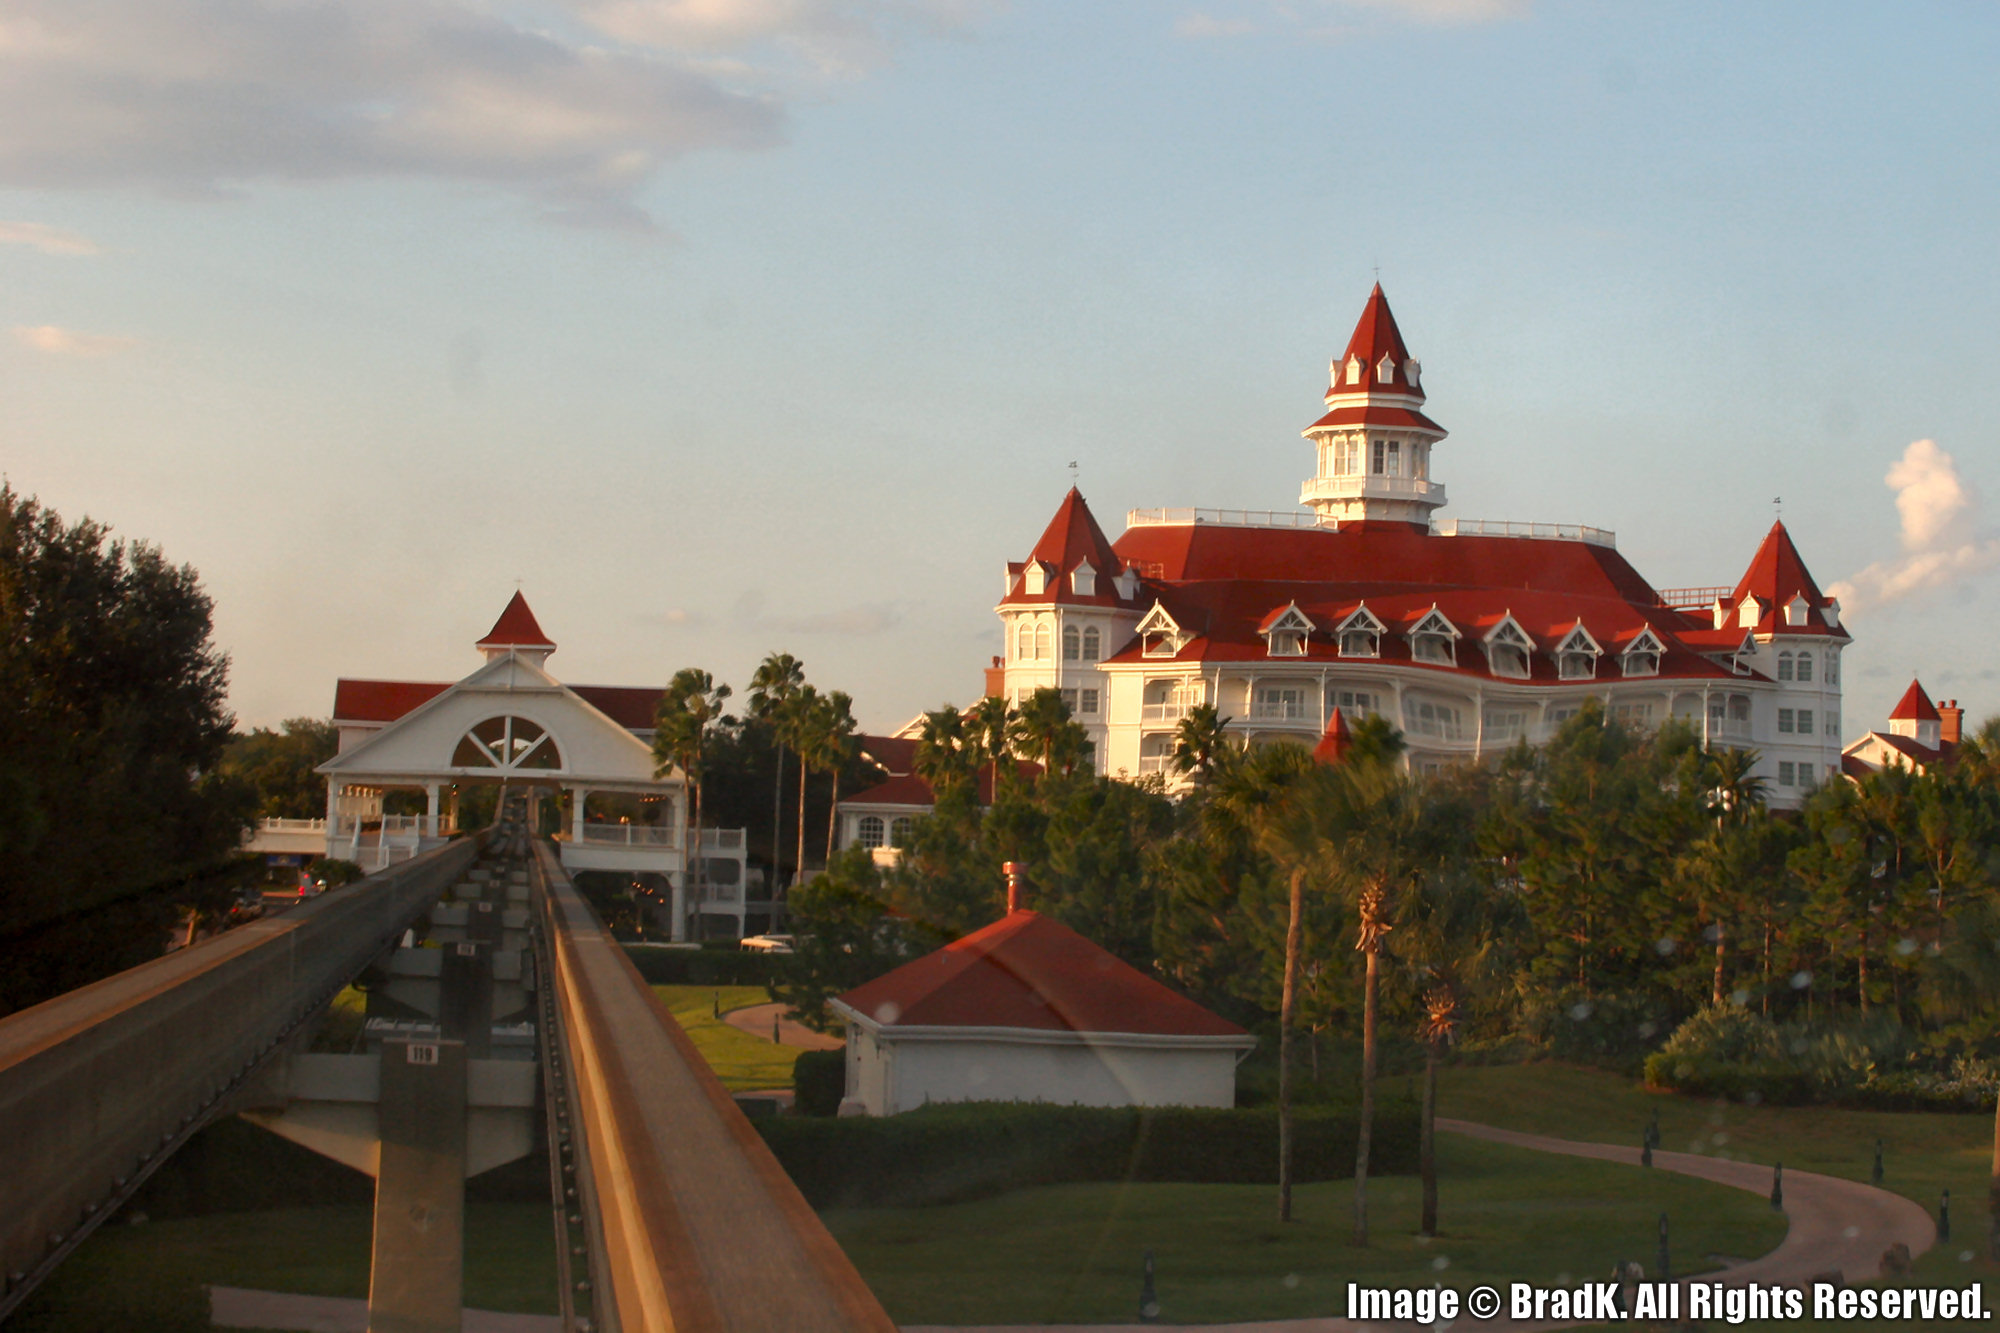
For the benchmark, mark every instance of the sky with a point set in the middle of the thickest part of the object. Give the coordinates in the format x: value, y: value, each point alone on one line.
x: 723, y: 327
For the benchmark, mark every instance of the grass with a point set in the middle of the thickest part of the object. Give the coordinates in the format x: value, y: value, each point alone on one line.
x: 509, y: 1261
x: 743, y: 1062
x: 1074, y: 1252
x: 1924, y: 1153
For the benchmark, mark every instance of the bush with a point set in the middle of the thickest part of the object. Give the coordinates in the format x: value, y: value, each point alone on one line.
x: 1733, y: 1053
x: 947, y: 1154
x: 1612, y: 1029
x: 334, y: 872
x: 702, y: 967
x: 819, y: 1081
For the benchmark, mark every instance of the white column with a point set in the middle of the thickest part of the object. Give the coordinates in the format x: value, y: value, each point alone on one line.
x: 332, y: 814
x: 577, y: 796
x: 431, y: 814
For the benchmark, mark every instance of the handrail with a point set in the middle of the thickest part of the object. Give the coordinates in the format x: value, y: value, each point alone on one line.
x: 101, y: 1085
x: 702, y: 1228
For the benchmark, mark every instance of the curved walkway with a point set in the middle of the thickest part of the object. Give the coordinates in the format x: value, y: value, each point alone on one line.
x: 755, y: 1019
x: 1834, y: 1224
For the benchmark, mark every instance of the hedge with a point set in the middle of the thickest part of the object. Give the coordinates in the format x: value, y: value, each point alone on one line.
x: 702, y: 967
x: 819, y: 1081
x: 946, y: 1154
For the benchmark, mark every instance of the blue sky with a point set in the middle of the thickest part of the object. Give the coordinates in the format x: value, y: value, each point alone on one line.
x: 727, y: 326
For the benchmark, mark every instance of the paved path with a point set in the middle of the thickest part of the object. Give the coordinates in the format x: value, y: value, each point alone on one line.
x: 1835, y: 1223
x: 755, y: 1019
x: 238, y: 1307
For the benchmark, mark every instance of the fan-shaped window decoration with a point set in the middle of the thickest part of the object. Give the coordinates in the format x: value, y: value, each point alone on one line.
x: 507, y: 742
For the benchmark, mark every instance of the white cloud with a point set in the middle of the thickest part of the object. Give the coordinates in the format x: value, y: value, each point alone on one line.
x: 68, y: 342
x: 575, y: 103
x: 49, y: 240
x: 1943, y: 538
x: 1200, y: 25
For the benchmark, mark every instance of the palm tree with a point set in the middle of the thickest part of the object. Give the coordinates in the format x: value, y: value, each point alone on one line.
x: 687, y: 711
x: 1197, y: 740
x: 987, y: 726
x: 1735, y: 798
x: 796, y: 722
x: 944, y: 755
x: 834, y: 750
x: 777, y: 678
x: 1038, y: 727
x: 1286, y: 833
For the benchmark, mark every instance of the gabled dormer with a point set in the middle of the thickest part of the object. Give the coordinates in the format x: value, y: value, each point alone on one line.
x: 1508, y: 649
x: 1749, y: 611
x: 1641, y: 657
x: 1083, y: 579
x: 1830, y: 613
x: 1127, y: 583
x: 1360, y: 635
x: 1720, y: 611
x: 1159, y: 634
x: 1576, y: 654
x: 1035, y: 579
x: 1434, y: 639
x: 1285, y: 631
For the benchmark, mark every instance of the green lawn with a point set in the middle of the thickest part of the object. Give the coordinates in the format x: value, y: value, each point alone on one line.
x: 1074, y: 1252
x: 1923, y: 1153
x: 744, y: 1063
x: 509, y: 1262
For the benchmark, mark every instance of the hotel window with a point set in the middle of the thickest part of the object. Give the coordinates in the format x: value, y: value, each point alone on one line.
x: 1093, y: 643
x: 1421, y: 717
x: 870, y: 832
x: 1087, y: 703
x: 1160, y: 643
x: 1420, y: 461
x: 1505, y: 724
x: 1288, y: 643
x: 1508, y: 659
x: 1833, y: 722
x: 1072, y: 643
x: 1432, y: 648
x: 1633, y: 715
x: 1354, y: 703
x: 900, y: 829
x: 1784, y: 666
x: 1787, y: 774
x: 1785, y: 723
x: 1280, y: 701
x: 1805, y: 666
x: 1563, y: 713
x: 1024, y: 642
x: 1805, y: 722
x: 1577, y: 666
x: 1833, y: 668
x: 1360, y: 643
x: 1042, y: 644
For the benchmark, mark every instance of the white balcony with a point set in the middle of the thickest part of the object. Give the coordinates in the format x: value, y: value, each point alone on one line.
x: 1226, y: 518
x: 1370, y: 486
x: 1171, y: 711
x: 632, y: 835
x: 1563, y: 532
x: 1282, y: 712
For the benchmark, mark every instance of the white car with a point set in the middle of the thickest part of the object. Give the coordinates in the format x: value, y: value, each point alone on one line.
x: 768, y: 943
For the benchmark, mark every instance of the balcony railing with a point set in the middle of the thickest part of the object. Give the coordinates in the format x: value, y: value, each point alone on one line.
x: 721, y: 839
x: 1692, y: 599
x: 1156, y: 763
x: 632, y: 835
x: 1226, y: 518
x: 294, y: 825
x: 1564, y: 532
x: 1171, y: 711
x: 1369, y: 485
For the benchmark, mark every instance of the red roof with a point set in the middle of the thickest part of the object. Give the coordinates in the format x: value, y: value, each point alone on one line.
x: 1028, y: 971
x: 516, y: 628
x: 1071, y: 538
x: 382, y: 700
x: 631, y: 707
x: 1334, y: 742
x: 1776, y: 575
x: 895, y: 755
x: 1914, y: 706
x: 1907, y: 746
x: 910, y: 790
x: 1374, y: 335
x: 1375, y: 414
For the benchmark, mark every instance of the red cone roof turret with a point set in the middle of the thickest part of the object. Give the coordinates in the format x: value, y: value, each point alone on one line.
x: 1071, y: 539
x: 1776, y: 575
x: 1914, y: 706
x: 516, y: 628
x: 1335, y: 742
x: 1379, y: 395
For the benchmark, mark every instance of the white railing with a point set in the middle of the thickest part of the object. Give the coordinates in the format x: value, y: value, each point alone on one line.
x: 294, y: 825
x: 403, y: 823
x: 1279, y: 712
x: 631, y: 835
x: 1692, y: 599
x: 725, y: 839
x: 1368, y: 485
x: 1156, y: 763
x: 1565, y: 532
x: 1171, y: 711
x: 1227, y: 518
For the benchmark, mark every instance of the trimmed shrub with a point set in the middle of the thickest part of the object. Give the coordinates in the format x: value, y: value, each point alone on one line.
x: 947, y: 1154
x: 702, y: 967
x: 1733, y: 1053
x: 819, y: 1081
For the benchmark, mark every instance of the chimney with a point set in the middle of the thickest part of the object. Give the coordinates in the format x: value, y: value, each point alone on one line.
x: 1951, y: 723
x: 996, y: 679
x: 1012, y: 870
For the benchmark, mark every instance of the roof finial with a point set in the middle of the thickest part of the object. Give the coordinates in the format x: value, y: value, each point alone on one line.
x: 1777, y: 506
x: 1072, y: 472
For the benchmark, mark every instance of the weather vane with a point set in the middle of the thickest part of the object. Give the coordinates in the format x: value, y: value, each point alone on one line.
x: 1072, y: 472
x: 1778, y: 505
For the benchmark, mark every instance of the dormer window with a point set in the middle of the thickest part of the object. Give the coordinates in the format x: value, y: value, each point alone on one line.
x: 1385, y: 369
x: 1721, y: 612
x: 1797, y: 610
x: 1354, y: 370
x: 1360, y: 635
x: 1285, y: 632
x: 1413, y: 371
x: 1576, y: 656
x: 1035, y: 578
x: 1159, y: 636
x: 1083, y: 580
x: 1127, y: 583
x: 1831, y: 612
x: 1288, y: 643
x: 1507, y: 649
x: 1642, y: 655
x: 1435, y: 640
x: 1749, y: 612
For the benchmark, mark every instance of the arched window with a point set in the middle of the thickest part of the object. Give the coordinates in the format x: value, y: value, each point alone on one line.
x: 1093, y: 643
x: 1024, y: 642
x: 507, y: 742
x: 1833, y: 668
x: 1043, y: 651
x: 1072, y: 644
x: 868, y: 833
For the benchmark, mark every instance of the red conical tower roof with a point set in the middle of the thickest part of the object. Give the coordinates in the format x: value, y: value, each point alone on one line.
x: 1335, y: 742
x: 1072, y: 538
x: 1914, y: 706
x: 1373, y: 397
x: 516, y: 628
x: 1777, y: 574
x: 1375, y: 335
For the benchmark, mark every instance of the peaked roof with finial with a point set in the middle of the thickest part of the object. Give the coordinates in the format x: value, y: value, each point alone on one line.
x: 1071, y: 539
x: 1386, y: 395
x: 1776, y: 575
x: 1914, y: 706
x: 1029, y: 971
x: 516, y: 628
x: 1335, y: 741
